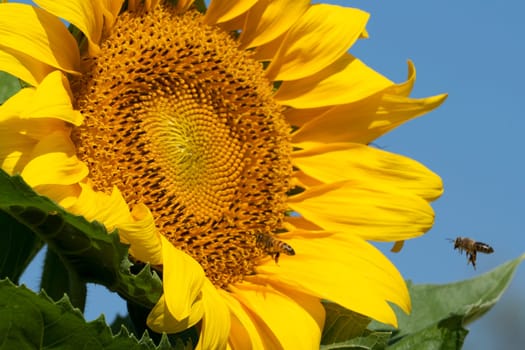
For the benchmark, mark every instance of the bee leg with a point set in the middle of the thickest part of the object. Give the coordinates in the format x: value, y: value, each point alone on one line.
x: 276, y: 257
x: 472, y: 259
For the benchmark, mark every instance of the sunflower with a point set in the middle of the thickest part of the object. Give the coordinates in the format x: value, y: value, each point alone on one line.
x: 229, y: 148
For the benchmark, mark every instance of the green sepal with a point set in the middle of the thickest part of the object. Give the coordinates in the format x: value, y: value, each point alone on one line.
x: 96, y: 255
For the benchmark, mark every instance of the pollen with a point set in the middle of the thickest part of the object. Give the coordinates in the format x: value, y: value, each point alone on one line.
x: 179, y: 118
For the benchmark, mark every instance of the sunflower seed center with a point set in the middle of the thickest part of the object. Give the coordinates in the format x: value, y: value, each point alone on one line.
x: 180, y: 119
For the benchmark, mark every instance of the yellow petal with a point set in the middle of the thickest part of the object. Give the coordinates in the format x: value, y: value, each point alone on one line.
x: 64, y: 195
x: 312, y: 304
x: 293, y: 223
x: 405, y: 88
x: 234, y: 24
x: 345, y: 81
x: 111, y: 9
x: 23, y: 67
x: 34, y: 32
x: 18, y: 137
x: 54, y: 161
x: 211, y: 308
x: 183, y: 5
x: 344, y: 269
x: 322, y: 35
x: 15, y: 150
x: 365, y: 120
x: 269, y: 19
x: 50, y: 99
x: 298, y: 329
x: 239, y: 338
x: 87, y: 16
x: 215, y: 328
x: 224, y: 10
x: 244, y: 333
x: 14, y: 112
x: 16, y: 104
x: 183, y: 280
x: 268, y: 51
x: 304, y: 180
x: 143, y: 236
x: 356, y: 162
x: 298, y: 117
x: 160, y: 320
x: 379, y: 213
x: 111, y: 210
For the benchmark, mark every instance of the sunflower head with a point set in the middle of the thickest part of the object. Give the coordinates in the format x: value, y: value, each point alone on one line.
x: 181, y: 120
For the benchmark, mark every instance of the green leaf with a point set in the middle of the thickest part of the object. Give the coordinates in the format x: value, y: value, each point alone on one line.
x: 368, y: 341
x: 31, y: 321
x: 439, y: 312
x: 121, y: 322
x: 467, y: 299
x: 96, y: 255
x: 9, y: 85
x: 345, y: 329
x: 59, y: 278
x: 19, y: 247
x: 446, y: 334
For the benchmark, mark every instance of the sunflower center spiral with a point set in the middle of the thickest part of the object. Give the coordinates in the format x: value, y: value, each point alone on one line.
x: 180, y: 119
x: 201, y: 160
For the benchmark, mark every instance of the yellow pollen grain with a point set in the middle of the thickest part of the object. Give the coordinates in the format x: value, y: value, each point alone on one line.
x: 180, y: 119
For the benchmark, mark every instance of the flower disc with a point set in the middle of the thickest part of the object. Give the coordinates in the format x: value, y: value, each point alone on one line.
x: 180, y: 119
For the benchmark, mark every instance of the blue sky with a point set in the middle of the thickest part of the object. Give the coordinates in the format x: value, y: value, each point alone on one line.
x: 474, y: 51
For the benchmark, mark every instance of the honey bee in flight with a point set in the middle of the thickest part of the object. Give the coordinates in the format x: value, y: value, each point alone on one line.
x: 471, y: 248
x: 272, y: 246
